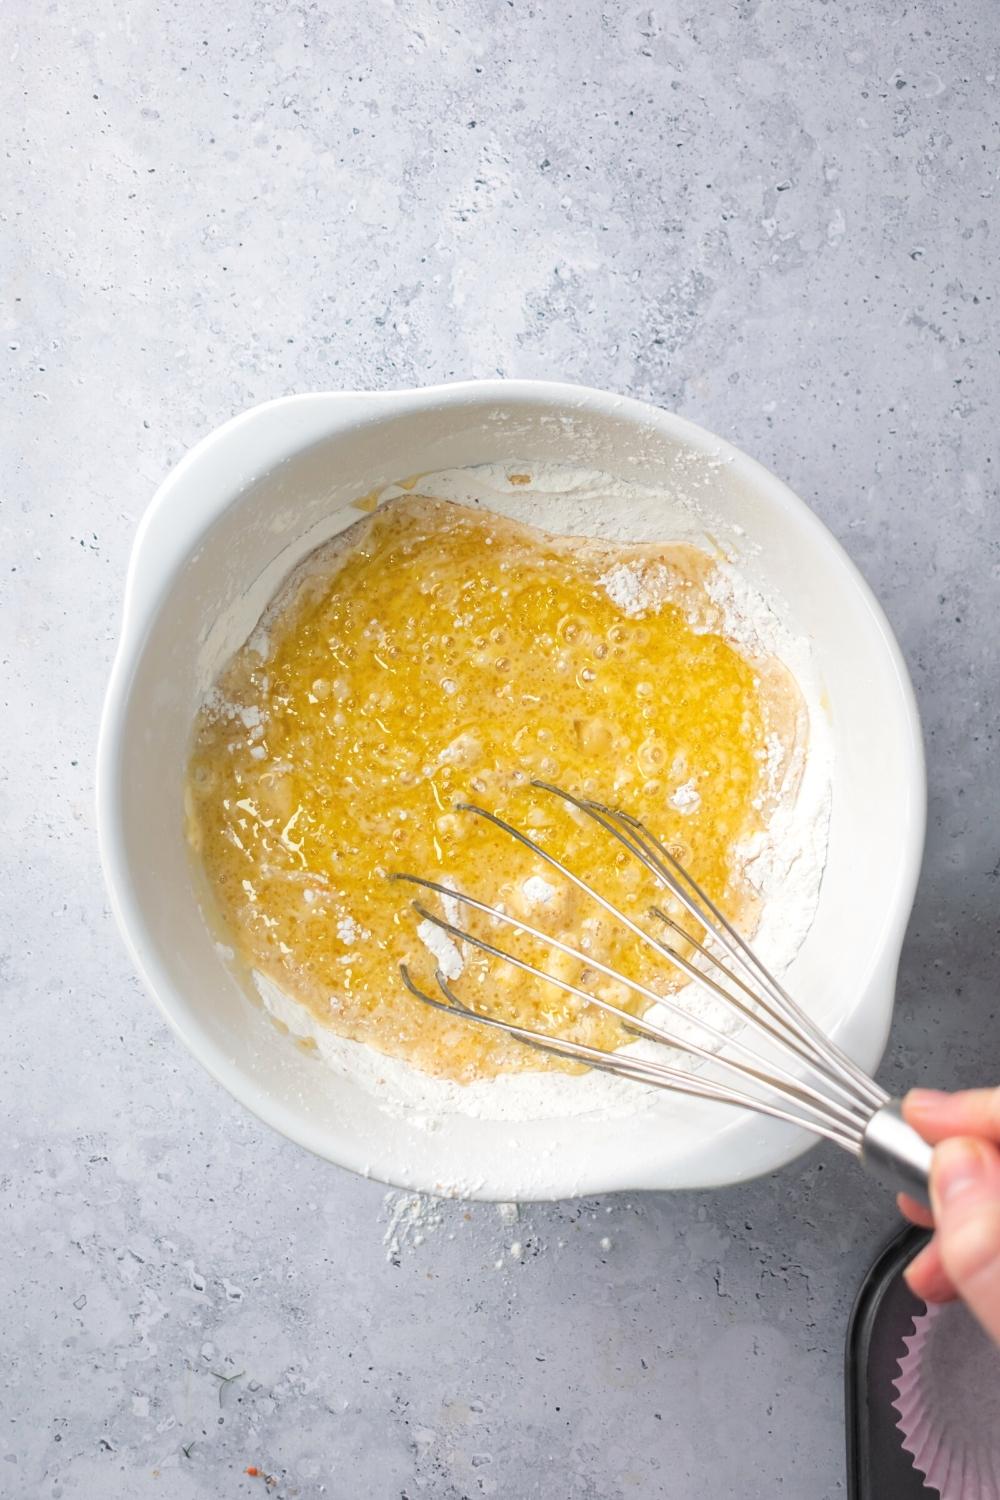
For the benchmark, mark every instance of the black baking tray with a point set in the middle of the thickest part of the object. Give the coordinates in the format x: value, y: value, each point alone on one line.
x: 878, y: 1467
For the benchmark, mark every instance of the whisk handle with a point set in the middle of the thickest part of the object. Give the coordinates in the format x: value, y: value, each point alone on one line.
x: 895, y: 1154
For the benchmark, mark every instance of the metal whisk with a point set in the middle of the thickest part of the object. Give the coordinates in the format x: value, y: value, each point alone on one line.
x: 778, y: 1062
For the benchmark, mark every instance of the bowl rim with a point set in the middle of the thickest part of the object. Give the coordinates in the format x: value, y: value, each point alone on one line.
x: 259, y: 439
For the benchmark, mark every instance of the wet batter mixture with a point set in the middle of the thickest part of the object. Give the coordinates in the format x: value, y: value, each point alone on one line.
x: 434, y: 654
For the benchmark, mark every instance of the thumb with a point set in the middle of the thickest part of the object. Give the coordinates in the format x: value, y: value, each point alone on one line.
x: 965, y: 1194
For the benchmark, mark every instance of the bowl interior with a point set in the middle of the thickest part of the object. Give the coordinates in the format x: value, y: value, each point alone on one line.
x: 199, y: 607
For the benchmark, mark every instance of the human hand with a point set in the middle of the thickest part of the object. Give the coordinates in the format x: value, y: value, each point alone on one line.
x: 963, y: 1258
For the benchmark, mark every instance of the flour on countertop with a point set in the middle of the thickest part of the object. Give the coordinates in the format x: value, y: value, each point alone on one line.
x: 411, y: 1218
x: 785, y: 864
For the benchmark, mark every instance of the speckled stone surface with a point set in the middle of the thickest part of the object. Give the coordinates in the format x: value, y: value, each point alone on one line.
x: 777, y: 218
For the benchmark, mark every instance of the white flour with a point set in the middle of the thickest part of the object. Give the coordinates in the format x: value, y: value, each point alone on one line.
x: 687, y: 798
x: 347, y: 928
x: 411, y: 1218
x: 637, y: 588
x: 785, y: 864
x: 537, y: 891
x: 440, y: 946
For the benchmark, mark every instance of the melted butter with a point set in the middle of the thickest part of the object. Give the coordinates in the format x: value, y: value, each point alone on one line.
x: 436, y: 654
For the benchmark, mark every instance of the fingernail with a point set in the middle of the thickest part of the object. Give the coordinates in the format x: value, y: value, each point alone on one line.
x: 958, y: 1168
x: 921, y: 1099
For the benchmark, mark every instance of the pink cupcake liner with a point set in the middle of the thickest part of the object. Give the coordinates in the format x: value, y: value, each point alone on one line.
x: 948, y: 1404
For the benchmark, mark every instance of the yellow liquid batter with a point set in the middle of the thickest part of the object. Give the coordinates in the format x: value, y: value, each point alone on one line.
x: 434, y: 654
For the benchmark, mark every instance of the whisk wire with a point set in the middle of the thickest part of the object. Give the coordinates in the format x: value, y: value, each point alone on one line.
x: 778, y: 1079
x: 638, y: 1026
x: 640, y: 1070
x: 673, y: 875
x: 835, y: 1099
x: 796, y: 1046
x: 657, y: 858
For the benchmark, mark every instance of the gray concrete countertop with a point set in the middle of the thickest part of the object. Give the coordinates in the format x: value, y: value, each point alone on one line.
x: 779, y: 219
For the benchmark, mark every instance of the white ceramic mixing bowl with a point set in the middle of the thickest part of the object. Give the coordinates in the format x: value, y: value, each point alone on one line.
x: 225, y: 527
